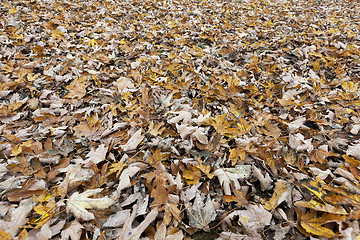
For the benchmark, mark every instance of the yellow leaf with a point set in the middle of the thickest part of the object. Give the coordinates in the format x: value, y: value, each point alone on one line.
x: 313, y: 224
x: 46, y: 212
x: 350, y: 87
x: 16, y: 150
x: 236, y: 154
x: 205, y: 169
x: 231, y: 129
x: 192, y: 177
x: 92, y: 42
x: 313, y: 186
x: 318, y: 206
x: 280, y: 189
x: 5, y: 236
x: 13, y: 10
x: 116, y: 168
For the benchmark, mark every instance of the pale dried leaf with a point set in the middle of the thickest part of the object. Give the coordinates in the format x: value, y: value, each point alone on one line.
x: 73, y: 231
x: 96, y: 156
x: 78, y: 203
x: 133, y: 142
x: 200, y: 214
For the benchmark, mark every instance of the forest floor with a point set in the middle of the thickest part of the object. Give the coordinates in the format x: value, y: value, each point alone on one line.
x: 191, y: 119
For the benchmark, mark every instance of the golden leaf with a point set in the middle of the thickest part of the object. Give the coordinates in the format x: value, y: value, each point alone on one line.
x: 313, y: 224
x: 318, y: 206
x: 237, y: 154
x: 192, y: 177
x: 77, y: 89
x: 350, y: 87
x: 205, y: 169
x: 5, y: 236
x: 46, y: 212
x: 238, y: 198
x: 116, y: 168
x: 157, y: 129
x: 280, y: 189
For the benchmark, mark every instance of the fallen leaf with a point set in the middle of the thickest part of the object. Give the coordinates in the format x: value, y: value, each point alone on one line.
x: 96, y: 156
x: 72, y: 231
x: 133, y: 142
x: 201, y: 214
x: 78, y: 203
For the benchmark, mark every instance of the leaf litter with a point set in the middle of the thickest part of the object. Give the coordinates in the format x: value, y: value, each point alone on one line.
x: 179, y: 119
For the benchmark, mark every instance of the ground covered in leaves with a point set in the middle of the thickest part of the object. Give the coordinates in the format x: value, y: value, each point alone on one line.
x: 175, y: 119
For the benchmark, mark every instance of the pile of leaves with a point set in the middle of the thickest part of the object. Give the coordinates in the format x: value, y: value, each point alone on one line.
x: 191, y: 119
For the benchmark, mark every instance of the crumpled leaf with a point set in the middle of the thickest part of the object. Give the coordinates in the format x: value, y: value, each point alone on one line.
x: 125, y: 177
x: 129, y: 233
x: 78, y: 203
x: 265, y: 181
x: 18, y: 217
x: 354, y: 151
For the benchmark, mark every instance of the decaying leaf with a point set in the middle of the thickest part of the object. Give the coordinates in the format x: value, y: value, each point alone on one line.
x: 231, y: 176
x: 281, y: 193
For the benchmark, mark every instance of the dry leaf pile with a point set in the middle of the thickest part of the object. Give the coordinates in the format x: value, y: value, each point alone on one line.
x: 145, y: 119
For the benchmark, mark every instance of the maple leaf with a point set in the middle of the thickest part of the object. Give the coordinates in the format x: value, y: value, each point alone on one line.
x: 96, y: 156
x: 18, y: 217
x: 281, y: 193
x: 200, y: 214
x: 73, y: 231
x: 233, y: 128
x: 79, y: 202
x: 229, y: 177
x: 116, y: 168
x: 78, y: 88
x: 254, y: 219
x: 237, y: 154
x: 313, y: 224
